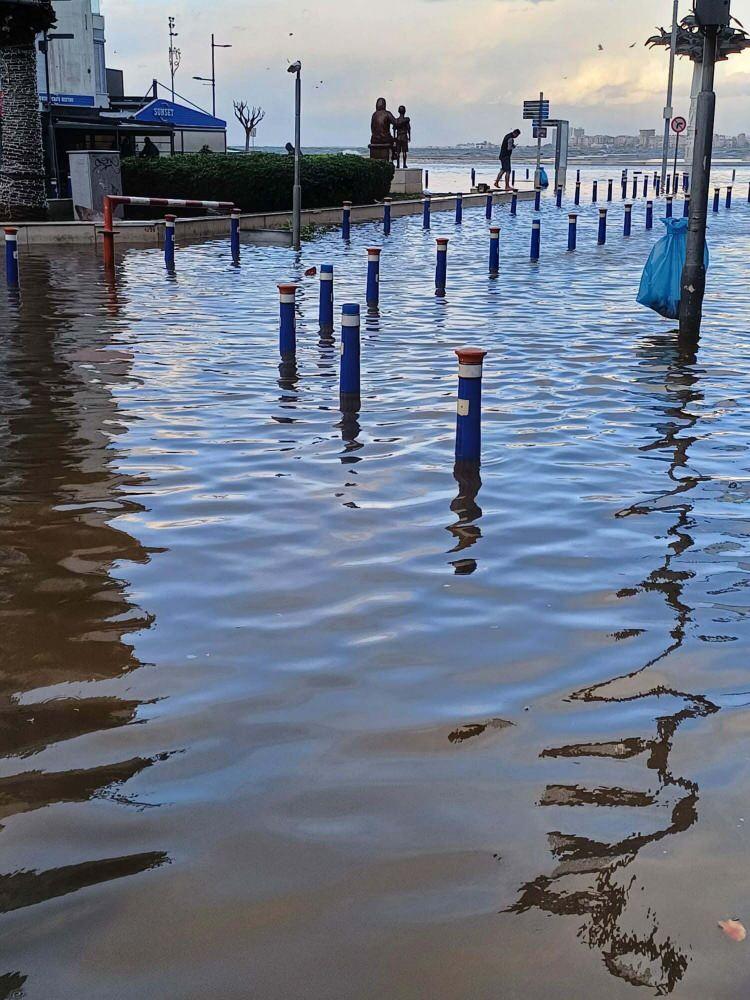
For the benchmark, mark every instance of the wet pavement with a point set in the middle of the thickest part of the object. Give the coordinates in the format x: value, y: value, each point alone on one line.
x: 290, y: 707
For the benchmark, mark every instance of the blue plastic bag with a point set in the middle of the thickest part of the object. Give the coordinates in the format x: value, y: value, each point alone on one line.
x: 662, y: 275
x: 543, y: 178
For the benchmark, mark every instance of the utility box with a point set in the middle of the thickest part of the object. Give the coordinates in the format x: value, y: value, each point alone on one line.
x: 712, y: 13
x: 93, y: 175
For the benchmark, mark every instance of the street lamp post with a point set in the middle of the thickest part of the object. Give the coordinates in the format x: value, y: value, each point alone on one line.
x: 296, y: 68
x: 212, y: 79
x: 670, y: 87
x: 51, y: 136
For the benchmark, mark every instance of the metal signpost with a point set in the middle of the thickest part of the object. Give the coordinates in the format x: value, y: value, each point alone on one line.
x: 538, y: 113
x: 678, y: 127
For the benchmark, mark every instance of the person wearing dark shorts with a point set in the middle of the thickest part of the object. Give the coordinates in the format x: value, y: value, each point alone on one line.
x: 506, y: 152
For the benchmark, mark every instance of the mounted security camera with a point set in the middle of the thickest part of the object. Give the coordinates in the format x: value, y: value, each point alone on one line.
x: 712, y: 13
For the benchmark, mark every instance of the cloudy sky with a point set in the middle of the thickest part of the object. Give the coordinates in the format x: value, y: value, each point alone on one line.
x: 462, y: 67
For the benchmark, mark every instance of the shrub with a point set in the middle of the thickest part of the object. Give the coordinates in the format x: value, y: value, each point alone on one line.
x: 259, y: 182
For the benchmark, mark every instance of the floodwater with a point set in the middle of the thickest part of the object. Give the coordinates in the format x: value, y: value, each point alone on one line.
x: 289, y: 710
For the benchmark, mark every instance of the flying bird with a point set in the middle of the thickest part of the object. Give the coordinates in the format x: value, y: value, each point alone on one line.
x: 601, y: 47
x: 633, y: 45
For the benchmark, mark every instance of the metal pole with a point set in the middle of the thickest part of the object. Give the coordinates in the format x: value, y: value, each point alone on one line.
x: 694, y: 272
x: 297, y: 193
x: 51, y: 138
x: 670, y: 85
x: 213, y: 76
x: 537, y: 175
x: 674, y: 169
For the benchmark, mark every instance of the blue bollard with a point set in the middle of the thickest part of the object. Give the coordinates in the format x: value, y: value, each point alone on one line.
x: 459, y: 209
x: 427, y: 178
x: 728, y: 202
x: 649, y: 215
x: 686, y: 207
x: 628, y: 220
x: 717, y: 193
x: 669, y: 183
x: 373, y: 277
x: 602, y: 238
x: 514, y: 203
x: 748, y: 194
x: 578, y: 176
x: 349, y: 387
x: 234, y: 235
x: 594, y: 192
x: 669, y: 200
x: 558, y: 196
x: 473, y: 177
x: 536, y: 239
x: 169, y: 221
x: 537, y: 199
x: 494, y: 250
x: 609, y: 190
x: 512, y: 178
x: 635, y: 188
x: 387, y: 217
x: 572, y: 230
x: 527, y: 173
x: 469, y: 408
x: 287, y: 321
x: 657, y: 185
x: 325, y: 309
x: 426, y: 212
x: 577, y: 198
x: 488, y: 208
x: 645, y: 185
x: 11, y: 257
x: 623, y: 189
x: 346, y: 221
x: 441, y: 266
x: 686, y: 182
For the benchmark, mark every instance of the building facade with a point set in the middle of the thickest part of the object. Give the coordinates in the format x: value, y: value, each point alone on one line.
x: 74, y: 67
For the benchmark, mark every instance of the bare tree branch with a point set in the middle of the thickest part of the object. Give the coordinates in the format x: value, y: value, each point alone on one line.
x: 249, y: 118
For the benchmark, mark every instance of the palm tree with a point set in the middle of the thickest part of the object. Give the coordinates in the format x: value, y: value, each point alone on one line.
x: 22, y: 186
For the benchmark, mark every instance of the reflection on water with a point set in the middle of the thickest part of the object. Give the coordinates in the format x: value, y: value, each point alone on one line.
x: 465, y: 530
x: 592, y: 878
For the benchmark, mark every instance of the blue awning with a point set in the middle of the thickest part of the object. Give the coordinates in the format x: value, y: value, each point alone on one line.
x: 161, y: 112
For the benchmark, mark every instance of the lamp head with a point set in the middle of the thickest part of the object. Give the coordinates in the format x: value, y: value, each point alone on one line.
x: 295, y: 67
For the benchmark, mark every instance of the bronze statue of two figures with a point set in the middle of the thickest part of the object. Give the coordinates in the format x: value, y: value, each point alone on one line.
x: 390, y: 136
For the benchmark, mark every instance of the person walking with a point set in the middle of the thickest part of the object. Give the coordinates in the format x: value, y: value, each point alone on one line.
x: 506, y: 152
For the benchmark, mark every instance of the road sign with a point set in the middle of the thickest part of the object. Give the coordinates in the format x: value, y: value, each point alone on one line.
x: 536, y: 110
x: 540, y: 133
x: 679, y: 125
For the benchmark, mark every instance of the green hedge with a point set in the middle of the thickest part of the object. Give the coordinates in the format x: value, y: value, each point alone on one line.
x: 259, y: 182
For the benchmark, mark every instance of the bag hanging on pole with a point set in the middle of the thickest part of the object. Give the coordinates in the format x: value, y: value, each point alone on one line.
x: 662, y: 275
x: 543, y: 178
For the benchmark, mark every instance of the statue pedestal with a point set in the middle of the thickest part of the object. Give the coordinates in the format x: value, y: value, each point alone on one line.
x: 408, y: 181
x: 380, y: 151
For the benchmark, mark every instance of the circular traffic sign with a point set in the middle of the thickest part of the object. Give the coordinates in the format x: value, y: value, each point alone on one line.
x: 679, y: 125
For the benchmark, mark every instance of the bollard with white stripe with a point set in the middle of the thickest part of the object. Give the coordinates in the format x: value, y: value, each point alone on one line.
x: 627, y: 225
x: 514, y: 203
x: 645, y: 185
x: 11, y: 257
x: 635, y: 188
x: 728, y: 202
x: 594, y: 192
x: 441, y: 265
x: 669, y: 199
x: 686, y: 182
x: 669, y: 183
x: 387, y: 217
x: 649, y: 215
x: 494, y: 250
x: 602, y: 238
x: 426, y: 212
x: 657, y: 185
x: 373, y: 277
x: 349, y: 387
x: 536, y: 239
x: 488, y: 208
x: 686, y: 207
x: 572, y: 230
x: 459, y: 209
x: 469, y: 406
x: 234, y: 234
x: 169, y: 223
x: 287, y: 321
x: 558, y: 198
x: 346, y: 221
x: 325, y: 309
x: 577, y: 198
x: 537, y: 199
x: 609, y: 189
x: 717, y: 193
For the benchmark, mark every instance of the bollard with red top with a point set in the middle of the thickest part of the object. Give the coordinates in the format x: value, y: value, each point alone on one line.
x: 441, y: 266
x: 287, y: 321
x: 11, y: 257
x: 234, y: 234
x: 469, y: 408
x: 169, y: 224
x: 494, y: 250
x: 373, y: 277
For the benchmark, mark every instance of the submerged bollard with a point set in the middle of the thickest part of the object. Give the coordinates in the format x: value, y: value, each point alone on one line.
x: 234, y: 235
x: 494, y: 250
x: 169, y: 222
x: 488, y: 208
x: 649, y: 215
x: 11, y: 257
x: 441, y: 266
x: 686, y: 207
x: 536, y: 239
x: 635, y: 188
x: 426, y: 212
x: 578, y: 175
x: 346, y: 220
x: 427, y: 178
x: 469, y: 406
x: 373, y: 277
x: 609, y: 189
x: 686, y: 181
x: 572, y: 230
x: 512, y: 178
x: 728, y: 202
x: 527, y: 173
x: 514, y: 203
x: 645, y: 185
x: 325, y: 309
x: 386, y: 216
x: 748, y: 194
x: 602, y: 238
x: 717, y: 193
x: 657, y: 185
x: 537, y: 199
x: 628, y: 220
x: 558, y: 197
x: 473, y: 177
x: 594, y: 192
x: 669, y: 183
x: 459, y: 209
x: 623, y: 188
x: 349, y: 387
x: 577, y: 198
x: 287, y: 320
x: 669, y: 200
